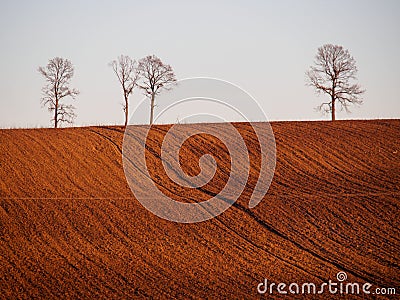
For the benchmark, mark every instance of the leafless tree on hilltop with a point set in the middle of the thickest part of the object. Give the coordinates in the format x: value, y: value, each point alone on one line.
x: 126, y: 70
x: 58, y: 73
x: 334, y: 69
x: 155, y: 76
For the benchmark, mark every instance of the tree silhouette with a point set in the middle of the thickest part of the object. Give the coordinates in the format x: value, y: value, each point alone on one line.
x: 155, y: 76
x: 58, y: 73
x: 126, y: 71
x: 334, y: 69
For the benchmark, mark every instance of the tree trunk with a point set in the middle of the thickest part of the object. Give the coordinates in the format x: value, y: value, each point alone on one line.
x: 126, y: 111
x: 152, y: 108
x: 333, y: 99
x: 56, y: 114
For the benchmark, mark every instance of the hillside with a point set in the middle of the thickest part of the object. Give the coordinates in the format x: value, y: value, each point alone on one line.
x: 70, y: 226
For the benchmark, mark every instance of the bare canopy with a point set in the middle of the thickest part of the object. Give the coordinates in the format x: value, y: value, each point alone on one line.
x: 58, y: 74
x: 155, y: 76
x: 126, y: 70
x: 333, y: 71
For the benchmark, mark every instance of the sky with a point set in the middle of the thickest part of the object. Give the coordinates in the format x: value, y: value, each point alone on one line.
x: 263, y: 47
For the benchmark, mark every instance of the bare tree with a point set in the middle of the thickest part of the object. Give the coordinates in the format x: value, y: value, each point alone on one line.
x: 334, y: 69
x: 58, y: 74
x: 126, y: 70
x: 155, y: 77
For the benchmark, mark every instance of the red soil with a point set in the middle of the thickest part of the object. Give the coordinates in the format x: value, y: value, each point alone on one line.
x: 71, y: 228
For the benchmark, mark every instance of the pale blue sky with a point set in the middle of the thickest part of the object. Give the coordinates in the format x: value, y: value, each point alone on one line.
x: 264, y: 47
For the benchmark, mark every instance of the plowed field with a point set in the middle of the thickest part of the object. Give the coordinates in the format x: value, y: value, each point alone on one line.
x: 70, y: 226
